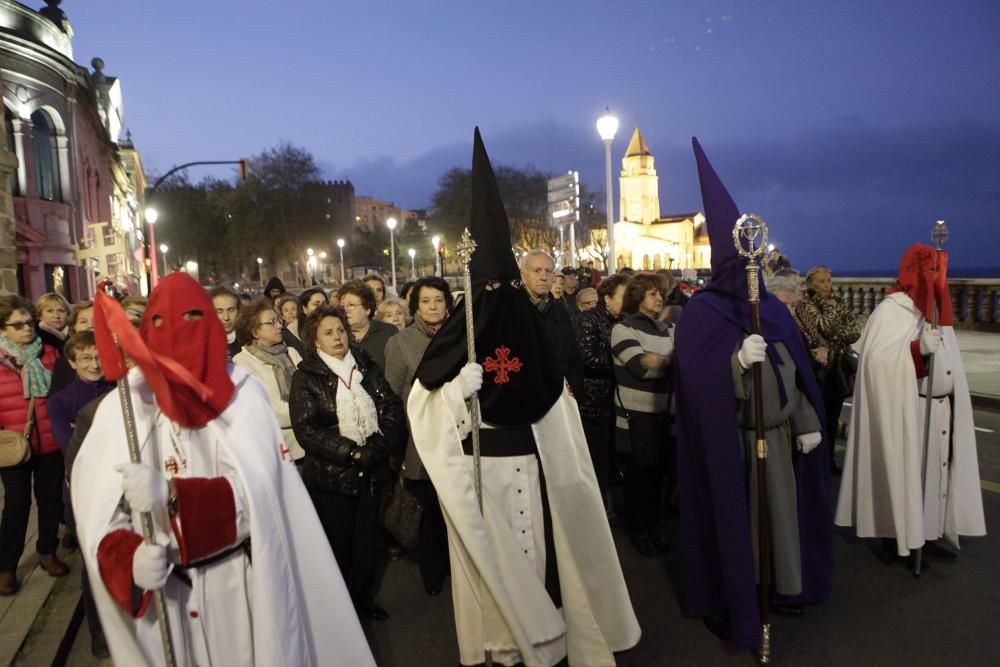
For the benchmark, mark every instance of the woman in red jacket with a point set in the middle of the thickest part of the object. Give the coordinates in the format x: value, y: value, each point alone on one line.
x: 26, y: 371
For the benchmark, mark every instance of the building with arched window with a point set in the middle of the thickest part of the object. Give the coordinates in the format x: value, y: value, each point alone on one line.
x: 74, y: 201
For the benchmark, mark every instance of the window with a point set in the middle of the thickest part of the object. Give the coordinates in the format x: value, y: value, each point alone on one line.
x: 8, y: 121
x: 112, y: 262
x: 43, y: 139
x: 89, y: 240
x: 109, y: 234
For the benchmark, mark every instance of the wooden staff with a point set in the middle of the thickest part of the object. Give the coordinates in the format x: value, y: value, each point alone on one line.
x: 466, y: 247
x: 939, y: 234
x: 750, y: 238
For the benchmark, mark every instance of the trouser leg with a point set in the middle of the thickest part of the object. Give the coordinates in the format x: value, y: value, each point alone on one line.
x: 336, y: 514
x: 49, y: 472
x: 368, y: 547
x: 16, y: 507
x: 432, y: 554
x: 832, y: 407
x: 599, y: 432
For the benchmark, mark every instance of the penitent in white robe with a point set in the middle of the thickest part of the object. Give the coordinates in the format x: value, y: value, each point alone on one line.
x: 289, y: 608
x: 881, y: 491
x: 498, y: 588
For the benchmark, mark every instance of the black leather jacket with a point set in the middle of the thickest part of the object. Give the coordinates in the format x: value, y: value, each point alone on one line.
x: 329, y: 464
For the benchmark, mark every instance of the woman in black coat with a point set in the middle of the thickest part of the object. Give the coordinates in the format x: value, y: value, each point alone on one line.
x: 347, y: 420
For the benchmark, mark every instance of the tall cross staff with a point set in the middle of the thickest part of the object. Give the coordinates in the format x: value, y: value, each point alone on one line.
x: 939, y: 234
x: 466, y: 246
x: 750, y: 238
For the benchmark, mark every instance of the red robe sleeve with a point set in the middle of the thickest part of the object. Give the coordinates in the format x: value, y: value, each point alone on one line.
x: 114, y: 560
x: 918, y: 359
x: 205, y: 520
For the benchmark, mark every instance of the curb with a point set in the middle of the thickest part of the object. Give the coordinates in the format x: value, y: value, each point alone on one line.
x: 986, y: 402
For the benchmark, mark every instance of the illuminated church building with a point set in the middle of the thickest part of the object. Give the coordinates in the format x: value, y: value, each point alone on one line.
x: 645, y: 240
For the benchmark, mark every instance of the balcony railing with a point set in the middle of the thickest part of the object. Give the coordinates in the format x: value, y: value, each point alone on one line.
x: 974, y: 301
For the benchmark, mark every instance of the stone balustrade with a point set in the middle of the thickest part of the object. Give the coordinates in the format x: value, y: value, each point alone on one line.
x: 974, y: 301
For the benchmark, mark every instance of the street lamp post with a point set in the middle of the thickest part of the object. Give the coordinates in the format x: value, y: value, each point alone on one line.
x: 340, y: 244
x: 436, y: 242
x: 607, y: 126
x: 163, y: 249
x: 391, y: 224
x: 151, y: 215
x: 260, y: 274
x: 413, y: 267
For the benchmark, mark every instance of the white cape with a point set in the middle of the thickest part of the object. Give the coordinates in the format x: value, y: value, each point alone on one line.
x: 302, y: 613
x: 881, y: 489
x: 488, y: 568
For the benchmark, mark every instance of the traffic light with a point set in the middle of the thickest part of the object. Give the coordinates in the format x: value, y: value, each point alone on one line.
x: 244, y: 168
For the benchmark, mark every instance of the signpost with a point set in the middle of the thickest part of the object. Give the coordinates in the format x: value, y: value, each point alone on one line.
x: 564, y: 207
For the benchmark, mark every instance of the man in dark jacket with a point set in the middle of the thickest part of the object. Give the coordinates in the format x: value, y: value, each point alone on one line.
x: 537, y: 271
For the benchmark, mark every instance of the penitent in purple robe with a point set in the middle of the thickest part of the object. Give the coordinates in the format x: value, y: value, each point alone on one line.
x: 718, y: 560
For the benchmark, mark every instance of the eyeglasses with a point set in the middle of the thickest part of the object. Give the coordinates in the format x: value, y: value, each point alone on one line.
x: 17, y: 326
x: 350, y: 306
x: 276, y: 322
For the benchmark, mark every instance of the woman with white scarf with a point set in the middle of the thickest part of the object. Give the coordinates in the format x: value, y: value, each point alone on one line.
x: 267, y: 358
x: 347, y: 419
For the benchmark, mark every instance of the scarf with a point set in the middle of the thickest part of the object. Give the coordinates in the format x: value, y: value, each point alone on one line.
x: 35, y: 378
x: 275, y: 356
x: 61, y: 334
x: 356, y: 413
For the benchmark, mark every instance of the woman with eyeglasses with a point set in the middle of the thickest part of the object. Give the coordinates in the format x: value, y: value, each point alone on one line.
x: 266, y: 357
x: 25, y: 373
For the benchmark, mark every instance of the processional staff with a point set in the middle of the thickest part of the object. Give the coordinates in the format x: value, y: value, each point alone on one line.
x: 466, y: 246
x: 106, y: 305
x: 750, y: 238
x: 939, y: 234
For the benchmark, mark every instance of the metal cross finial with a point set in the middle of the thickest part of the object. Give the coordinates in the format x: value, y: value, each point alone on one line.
x: 466, y: 246
x: 750, y: 235
x: 939, y: 234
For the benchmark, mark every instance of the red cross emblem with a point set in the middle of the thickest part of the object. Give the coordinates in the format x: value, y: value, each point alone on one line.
x: 284, y: 451
x: 503, y: 364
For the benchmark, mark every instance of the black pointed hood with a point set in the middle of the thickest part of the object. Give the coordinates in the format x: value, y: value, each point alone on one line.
x: 522, y: 379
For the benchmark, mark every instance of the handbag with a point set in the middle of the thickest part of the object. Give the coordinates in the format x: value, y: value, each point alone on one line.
x: 402, y: 516
x: 15, y: 448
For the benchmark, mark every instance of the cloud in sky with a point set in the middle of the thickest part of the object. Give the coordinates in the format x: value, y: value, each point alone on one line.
x: 852, y: 195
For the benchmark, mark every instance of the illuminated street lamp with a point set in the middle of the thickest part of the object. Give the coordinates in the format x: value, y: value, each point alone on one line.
x: 607, y: 126
x: 413, y: 269
x: 391, y: 224
x: 260, y: 274
x: 436, y: 242
x: 163, y: 249
x: 340, y: 244
x: 151, y: 215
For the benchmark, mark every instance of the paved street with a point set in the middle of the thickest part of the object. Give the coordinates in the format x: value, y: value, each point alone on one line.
x: 879, y: 614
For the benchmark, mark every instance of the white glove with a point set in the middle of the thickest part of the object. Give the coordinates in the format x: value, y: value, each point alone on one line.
x: 930, y: 341
x: 808, y: 441
x: 471, y: 377
x: 150, y: 567
x: 753, y: 350
x: 145, y: 488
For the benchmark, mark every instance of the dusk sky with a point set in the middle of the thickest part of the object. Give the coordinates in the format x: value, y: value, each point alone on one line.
x: 850, y: 126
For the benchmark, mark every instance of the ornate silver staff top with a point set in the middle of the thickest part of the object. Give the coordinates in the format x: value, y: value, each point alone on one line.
x: 750, y: 239
x: 466, y: 246
x: 939, y: 234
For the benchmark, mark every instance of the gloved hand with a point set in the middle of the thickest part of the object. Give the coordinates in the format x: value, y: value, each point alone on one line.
x: 753, y: 350
x: 930, y: 341
x: 370, y: 456
x: 144, y: 487
x: 471, y: 377
x: 808, y: 441
x: 150, y: 567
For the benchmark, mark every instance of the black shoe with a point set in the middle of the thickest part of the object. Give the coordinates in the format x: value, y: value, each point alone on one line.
x: 99, y: 646
x: 69, y: 541
x: 659, y: 542
x: 433, y: 589
x: 793, y: 610
x: 372, y: 611
x: 935, y: 550
x: 644, y: 545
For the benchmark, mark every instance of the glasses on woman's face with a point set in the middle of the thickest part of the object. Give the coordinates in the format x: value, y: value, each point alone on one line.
x: 273, y: 322
x: 20, y: 325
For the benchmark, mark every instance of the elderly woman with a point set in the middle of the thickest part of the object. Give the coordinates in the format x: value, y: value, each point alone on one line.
x: 53, y: 319
x: 359, y: 302
x: 347, y: 419
x: 830, y: 324
x: 430, y: 304
x: 642, y: 348
x: 266, y: 357
x: 25, y: 374
x: 392, y: 311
